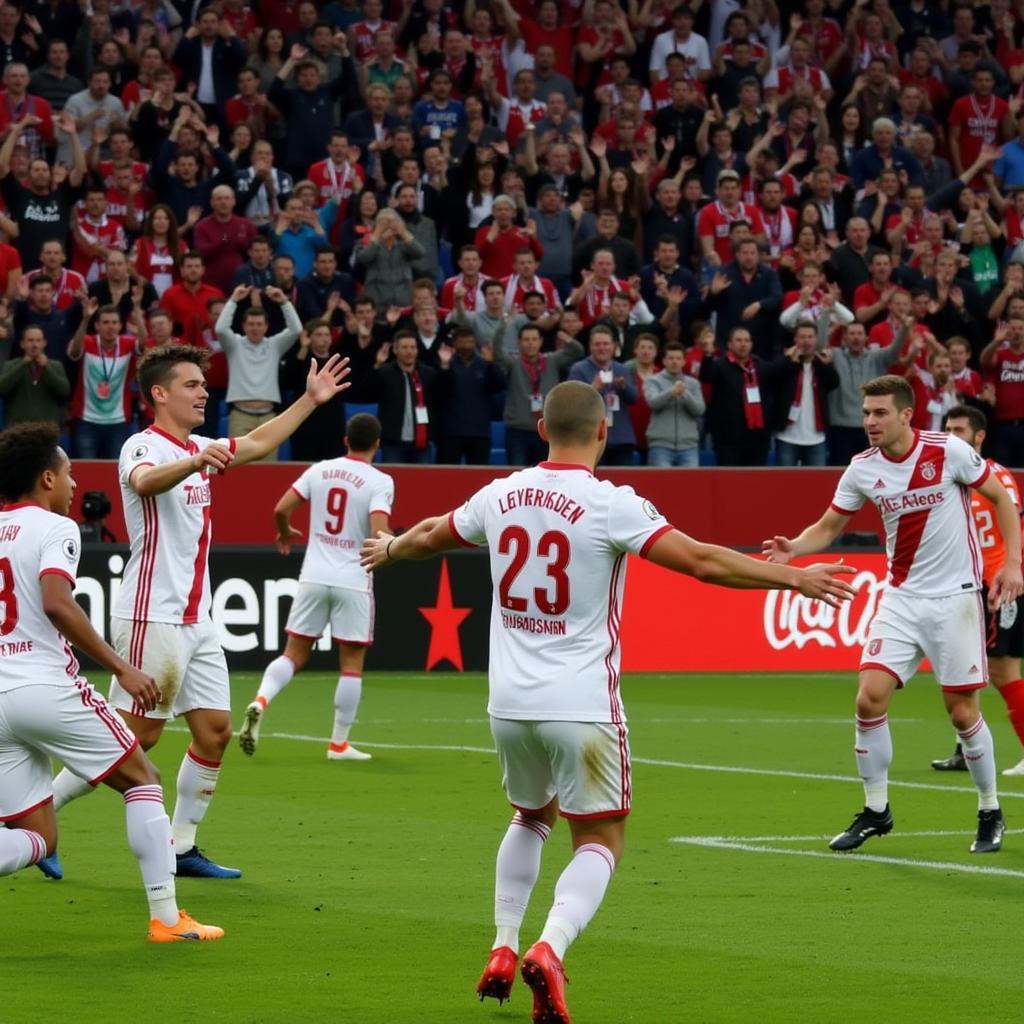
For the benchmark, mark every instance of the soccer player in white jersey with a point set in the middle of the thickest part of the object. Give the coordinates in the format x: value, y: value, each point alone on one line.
x: 558, y: 540
x: 48, y: 710
x: 349, y: 500
x: 161, y: 617
x: 920, y: 483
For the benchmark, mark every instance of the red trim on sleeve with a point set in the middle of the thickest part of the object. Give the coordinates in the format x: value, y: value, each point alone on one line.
x: 842, y: 511
x: 58, y: 572
x: 301, y: 496
x: 380, y: 511
x: 984, y: 476
x: 141, y: 465
x: 654, y: 537
x: 455, y: 533
x: 232, y: 444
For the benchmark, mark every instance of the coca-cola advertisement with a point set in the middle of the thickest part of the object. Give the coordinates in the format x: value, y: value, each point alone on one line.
x: 672, y: 623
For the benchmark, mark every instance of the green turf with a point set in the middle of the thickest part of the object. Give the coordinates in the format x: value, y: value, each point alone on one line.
x: 367, y: 889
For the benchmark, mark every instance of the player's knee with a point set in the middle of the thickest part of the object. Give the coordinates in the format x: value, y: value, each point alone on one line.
x: 216, y: 736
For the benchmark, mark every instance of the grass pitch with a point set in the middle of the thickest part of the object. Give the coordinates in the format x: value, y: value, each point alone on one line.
x: 367, y: 889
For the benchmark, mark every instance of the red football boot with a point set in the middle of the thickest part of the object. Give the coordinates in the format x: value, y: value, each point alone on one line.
x: 543, y: 972
x: 500, y: 972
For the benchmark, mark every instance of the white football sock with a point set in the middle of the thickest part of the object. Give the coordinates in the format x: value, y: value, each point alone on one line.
x: 149, y: 836
x: 276, y: 676
x: 197, y: 779
x: 20, y: 847
x: 515, y: 875
x: 346, y: 704
x: 979, y: 753
x: 873, y: 746
x: 67, y: 786
x: 578, y: 894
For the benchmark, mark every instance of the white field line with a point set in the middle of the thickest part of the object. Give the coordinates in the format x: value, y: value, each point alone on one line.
x: 745, y: 846
x: 728, y: 769
x: 698, y: 840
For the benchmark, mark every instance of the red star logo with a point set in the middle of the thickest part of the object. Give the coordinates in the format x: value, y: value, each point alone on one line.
x: 444, y: 620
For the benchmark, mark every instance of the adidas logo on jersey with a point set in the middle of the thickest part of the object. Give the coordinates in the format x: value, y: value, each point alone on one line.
x: 974, y: 668
x: 879, y: 484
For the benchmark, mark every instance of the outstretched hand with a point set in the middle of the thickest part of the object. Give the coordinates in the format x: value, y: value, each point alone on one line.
x: 323, y: 383
x: 778, y: 550
x: 283, y: 541
x: 819, y: 582
x: 374, y: 553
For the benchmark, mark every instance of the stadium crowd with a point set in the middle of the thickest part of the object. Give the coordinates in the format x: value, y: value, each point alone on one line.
x: 723, y: 216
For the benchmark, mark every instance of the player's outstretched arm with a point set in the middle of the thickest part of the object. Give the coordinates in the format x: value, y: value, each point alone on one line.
x: 710, y: 563
x: 322, y: 384
x: 426, y: 539
x: 817, y: 537
x: 67, y: 615
x: 288, y: 503
x: 1008, y: 584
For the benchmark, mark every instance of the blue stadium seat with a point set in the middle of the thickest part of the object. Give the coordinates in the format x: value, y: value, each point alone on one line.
x: 354, y: 408
x: 497, y: 435
x: 498, y: 457
x: 222, y: 424
x: 284, y: 453
x: 707, y: 457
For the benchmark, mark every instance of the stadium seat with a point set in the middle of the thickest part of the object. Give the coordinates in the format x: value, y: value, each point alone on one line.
x: 284, y: 453
x: 498, y: 457
x: 707, y: 457
x: 354, y: 408
x: 498, y: 434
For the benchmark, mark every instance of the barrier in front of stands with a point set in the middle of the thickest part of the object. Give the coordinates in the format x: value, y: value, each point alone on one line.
x: 738, y: 507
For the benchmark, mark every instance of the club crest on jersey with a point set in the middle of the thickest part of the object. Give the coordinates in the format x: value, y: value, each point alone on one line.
x: 71, y: 549
x: 140, y: 451
x: 650, y: 511
x: 874, y: 647
x: 928, y: 471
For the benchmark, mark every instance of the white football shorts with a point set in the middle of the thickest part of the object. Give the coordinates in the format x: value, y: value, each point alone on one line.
x: 948, y: 631
x: 70, y: 723
x: 350, y: 613
x: 187, y: 663
x: 585, y: 764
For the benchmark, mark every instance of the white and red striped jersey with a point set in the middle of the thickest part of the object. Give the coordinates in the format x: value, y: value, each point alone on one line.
x: 558, y: 540
x: 33, y: 543
x: 513, y: 117
x: 106, y: 233
x: 925, y: 503
x: 361, y: 38
x: 167, y: 578
x: 333, y: 182
x: 474, y: 297
x: 715, y: 220
x: 65, y: 285
x: 783, y: 79
x: 515, y: 291
x: 342, y: 494
x: 596, y: 300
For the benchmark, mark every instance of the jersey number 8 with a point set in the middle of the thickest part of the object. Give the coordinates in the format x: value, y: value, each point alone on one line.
x: 8, y: 601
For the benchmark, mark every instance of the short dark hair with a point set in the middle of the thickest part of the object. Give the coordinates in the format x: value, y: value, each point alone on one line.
x: 192, y: 254
x: 362, y: 432
x: 889, y: 384
x: 975, y: 417
x: 27, y: 450
x: 252, y: 311
x: 156, y: 368
x: 493, y: 283
x: 108, y: 310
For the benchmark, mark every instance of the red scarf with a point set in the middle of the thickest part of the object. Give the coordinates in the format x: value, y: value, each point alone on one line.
x: 819, y: 422
x: 535, y: 371
x: 752, y: 410
x: 421, y: 428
